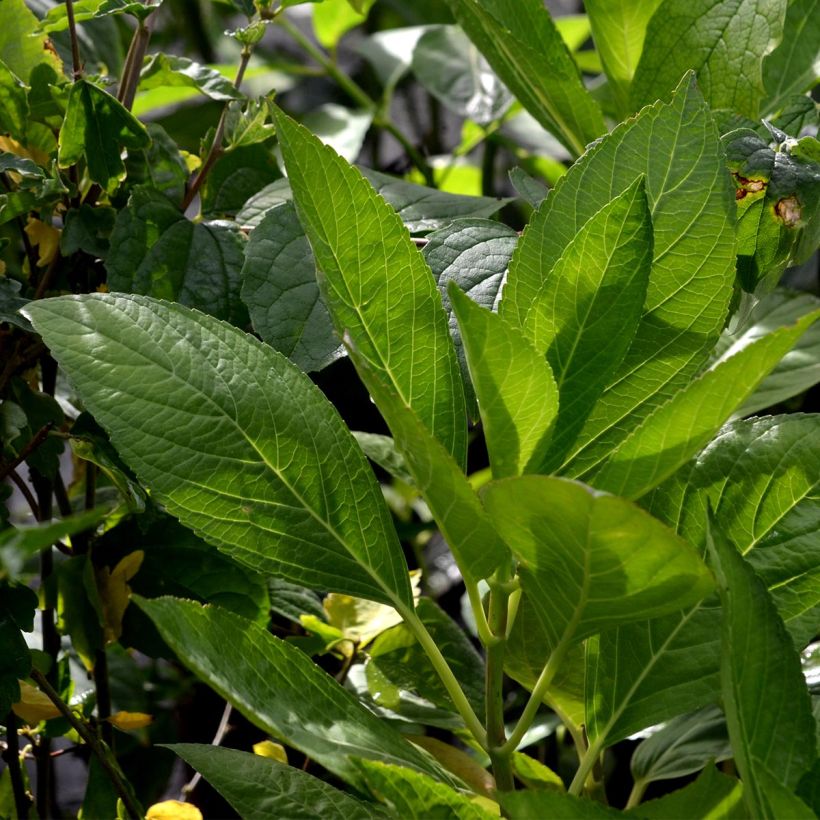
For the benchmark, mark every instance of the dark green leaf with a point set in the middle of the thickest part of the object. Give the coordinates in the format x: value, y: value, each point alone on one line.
x: 15, y: 660
x: 724, y: 41
x: 777, y: 742
x: 292, y: 601
x: 590, y: 561
x: 163, y: 70
x: 160, y: 166
x: 280, y: 290
x: 236, y: 177
x: 11, y: 302
x: 528, y: 187
x: 156, y: 251
x: 521, y: 43
x: 259, y: 788
x: 693, y: 213
x: 376, y: 285
x: 517, y: 394
x: 97, y: 127
x: 283, y: 691
x: 527, y: 805
x: 87, y: 229
x: 234, y: 440
x: 40, y: 410
x: 452, y: 69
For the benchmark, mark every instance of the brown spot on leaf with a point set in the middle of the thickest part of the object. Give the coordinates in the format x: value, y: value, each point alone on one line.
x: 789, y: 210
x: 747, y: 185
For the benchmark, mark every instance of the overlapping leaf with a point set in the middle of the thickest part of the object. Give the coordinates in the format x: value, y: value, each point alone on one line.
x: 232, y: 438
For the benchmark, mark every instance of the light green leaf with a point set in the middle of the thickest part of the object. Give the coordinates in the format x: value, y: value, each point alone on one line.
x: 778, y: 741
x: 169, y: 70
x: 473, y: 253
x: 234, y: 440
x: 390, y: 53
x: 22, y: 47
x: 56, y: 18
x: 588, y: 307
x: 450, y: 67
x: 377, y: 285
x: 415, y: 796
x: 332, y: 19
x: 778, y: 800
x: 280, y: 290
x: 713, y: 796
x: 517, y: 394
x: 14, y: 108
x: 693, y: 211
x: 156, y: 251
x: 521, y: 43
x: 792, y: 67
x: 678, y: 429
x: 724, y: 41
x: 97, y: 127
x: 762, y: 477
x: 382, y: 450
x: 476, y: 546
x: 619, y: 28
x: 683, y: 746
x: 526, y: 805
x: 282, y: 691
x: 799, y: 369
x: 260, y: 788
x: 590, y: 561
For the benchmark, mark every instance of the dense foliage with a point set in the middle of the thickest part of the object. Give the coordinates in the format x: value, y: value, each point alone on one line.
x: 479, y: 478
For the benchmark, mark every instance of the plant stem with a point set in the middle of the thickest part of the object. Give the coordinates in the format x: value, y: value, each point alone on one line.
x: 494, y: 689
x: 103, y: 696
x: 588, y: 762
x: 482, y: 627
x: 12, y: 758
x: 76, y: 60
x: 97, y: 747
x: 26, y: 493
x: 637, y: 793
x: 221, y: 731
x: 216, y: 146
x: 133, y: 62
x: 38, y: 438
x: 380, y: 118
x: 445, y: 673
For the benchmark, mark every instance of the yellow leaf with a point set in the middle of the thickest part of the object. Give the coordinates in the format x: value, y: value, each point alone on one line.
x: 46, y: 238
x: 361, y: 621
x: 173, y: 810
x: 11, y: 146
x: 130, y: 720
x: 267, y: 748
x: 33, y: 705
x: 114, y: 591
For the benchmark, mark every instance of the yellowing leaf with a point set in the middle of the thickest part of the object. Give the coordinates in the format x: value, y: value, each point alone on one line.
x: 361, y: 621
x: 173, y: 810
x: 267, y: 748
x: 114, y: 591
x: 46, y: 238
x: 130, y: 720
x: 33, y: 705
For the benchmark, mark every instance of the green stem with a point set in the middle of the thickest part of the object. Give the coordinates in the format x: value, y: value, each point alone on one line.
x: 588, y: 762
x: 215, y: 150
x: 99, y: 749
x: 637, y: 793
x: 482, y: 627
x: 380, y: 118
x: 441, y: 666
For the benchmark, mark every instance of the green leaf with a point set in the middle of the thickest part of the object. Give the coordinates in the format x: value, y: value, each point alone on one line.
x: 160, y: 166
x: 588, y: 308
x: 237, y: 176
x: 11, y: 302
x: 234, y: 440
x: 778, y: 800
x: 382, y: 450
x: 450, y: 67
x: 693, y: 211
x: 259, y: 788
x: 390, y: 53
x: 678, y: 429
x: 619, y: 29
x: 156, y: 251
x: 332, y: 19
x: 799, y: 369
x: 526, y: 805
x: 87, y: 228
x: 517, y: 394
x: 22, y: 47
x: 97, y: 127
x: 530, y: 189
x: 683, y: 746
x: 14, y: 108
x: 40, y: 409
x: 416, y: 796
x: 791, y: 67
x: 377, y: 285
x: 724, y: 41
x: 282, y: 691
x: 762, y: 478
x: 476, y: 546
x: 590, y: 561
x: 777, y: 742
x: 56, y: 18
x: 713, y: 795
x: 292, y: 601
x: 473, y: 253
x: 169, y: 70
x: 280, y: 290
x: 15, y: 659
x: 343, y: 129
x: 521, y: 43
